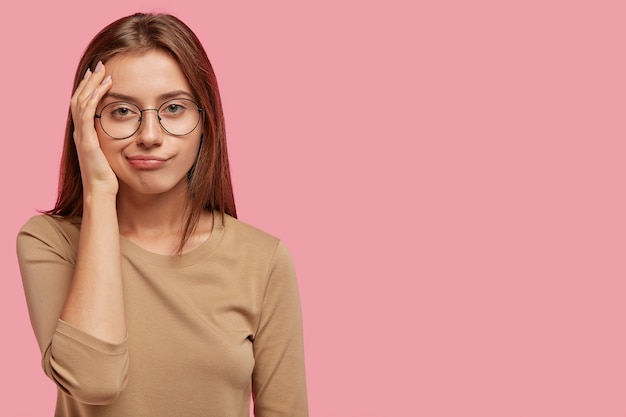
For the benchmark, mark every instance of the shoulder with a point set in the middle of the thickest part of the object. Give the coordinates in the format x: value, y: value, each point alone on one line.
x: 43, y: 224
x: 245, y: 238
x: 237, y: 230
x: 50, y: 231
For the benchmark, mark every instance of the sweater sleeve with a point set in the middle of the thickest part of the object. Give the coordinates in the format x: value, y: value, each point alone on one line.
x: 88, y: 369
x: 278, y: 380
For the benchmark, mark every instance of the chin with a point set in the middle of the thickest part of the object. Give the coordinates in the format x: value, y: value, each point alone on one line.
x: 154, y: 188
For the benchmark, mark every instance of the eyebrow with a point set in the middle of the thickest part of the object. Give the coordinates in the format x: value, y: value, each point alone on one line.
x: 163, y: 97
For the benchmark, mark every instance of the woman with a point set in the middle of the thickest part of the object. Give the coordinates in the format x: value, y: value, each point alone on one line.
x: 146, y: 295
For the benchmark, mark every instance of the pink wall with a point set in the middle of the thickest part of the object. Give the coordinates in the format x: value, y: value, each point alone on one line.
x: 449, y: 176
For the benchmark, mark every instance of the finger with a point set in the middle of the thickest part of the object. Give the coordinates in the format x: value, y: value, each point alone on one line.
x: 84, y: 106
x: 82, y: 85
x: 99, y: 91
x: 89, y: 88
x: 87, y: 109
x: 78, y: 91
x: 82, y: 82
x: 91, y: 81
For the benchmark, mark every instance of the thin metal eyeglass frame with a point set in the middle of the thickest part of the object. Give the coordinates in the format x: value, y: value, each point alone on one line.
x: 200, y: 110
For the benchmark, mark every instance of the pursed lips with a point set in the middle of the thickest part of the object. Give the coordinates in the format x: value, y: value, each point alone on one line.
x: 147, y: 161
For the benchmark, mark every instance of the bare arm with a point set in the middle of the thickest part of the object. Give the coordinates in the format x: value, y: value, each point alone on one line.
x: 94, y: 303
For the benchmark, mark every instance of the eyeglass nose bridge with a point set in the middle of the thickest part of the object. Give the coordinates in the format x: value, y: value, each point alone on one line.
x: 157, y: 115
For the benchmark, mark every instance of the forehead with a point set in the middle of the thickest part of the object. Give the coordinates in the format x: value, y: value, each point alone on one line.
x: 146, y: 76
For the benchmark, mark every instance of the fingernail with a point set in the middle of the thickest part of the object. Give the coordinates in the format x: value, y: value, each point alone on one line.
x: 87, y: 74
x: 95, y: 93
x: 106, y: 80
x: 98, y: 67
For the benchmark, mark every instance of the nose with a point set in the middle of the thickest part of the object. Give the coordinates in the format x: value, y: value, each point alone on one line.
x: 150, y: 132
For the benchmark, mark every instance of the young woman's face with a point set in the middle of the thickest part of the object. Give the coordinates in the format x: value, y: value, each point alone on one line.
x: 151, y: 161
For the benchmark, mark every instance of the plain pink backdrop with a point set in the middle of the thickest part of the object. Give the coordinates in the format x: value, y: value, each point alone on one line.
x: 448, y: 175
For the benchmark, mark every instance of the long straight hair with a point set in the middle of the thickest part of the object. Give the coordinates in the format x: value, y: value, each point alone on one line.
x: 209, y: 180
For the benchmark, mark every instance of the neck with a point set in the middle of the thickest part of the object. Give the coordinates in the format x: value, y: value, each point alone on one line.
x: 152, y: 214
x: 156, y: 221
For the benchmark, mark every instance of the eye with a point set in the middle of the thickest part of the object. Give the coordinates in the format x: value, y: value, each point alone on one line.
x: 173, y: 108
x: 121, y: 111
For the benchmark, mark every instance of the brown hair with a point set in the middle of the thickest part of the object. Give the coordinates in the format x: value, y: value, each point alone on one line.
x: 209, y: 180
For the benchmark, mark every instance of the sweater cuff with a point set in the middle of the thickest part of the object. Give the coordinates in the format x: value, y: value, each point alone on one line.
x: 92, y: 342
x: 86, y: 368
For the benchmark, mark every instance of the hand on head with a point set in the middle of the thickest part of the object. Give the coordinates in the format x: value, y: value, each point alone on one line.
x: 96, y: 172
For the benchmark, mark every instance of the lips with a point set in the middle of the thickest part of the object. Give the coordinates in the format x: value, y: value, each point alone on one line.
x: 147, y: 161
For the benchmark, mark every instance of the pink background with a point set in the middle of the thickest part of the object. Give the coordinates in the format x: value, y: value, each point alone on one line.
x: 448, y: 175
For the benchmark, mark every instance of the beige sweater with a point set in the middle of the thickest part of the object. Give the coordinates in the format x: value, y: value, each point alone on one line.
x: 205, y: 329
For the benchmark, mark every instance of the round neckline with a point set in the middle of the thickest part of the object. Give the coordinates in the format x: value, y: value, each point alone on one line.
x: 204, y: 251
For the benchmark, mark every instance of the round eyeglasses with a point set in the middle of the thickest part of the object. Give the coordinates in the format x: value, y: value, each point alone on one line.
x: 178, y: 117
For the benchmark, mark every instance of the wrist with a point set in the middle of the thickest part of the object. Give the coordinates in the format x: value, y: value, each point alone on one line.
x: 98, y: 198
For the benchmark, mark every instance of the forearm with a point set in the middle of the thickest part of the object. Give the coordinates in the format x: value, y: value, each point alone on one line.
x: 95, y: 302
